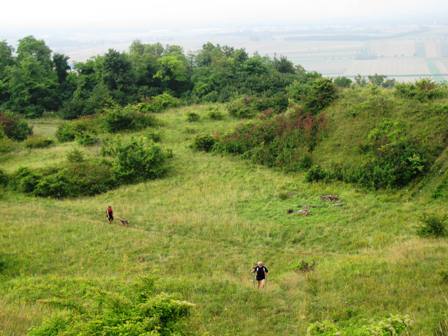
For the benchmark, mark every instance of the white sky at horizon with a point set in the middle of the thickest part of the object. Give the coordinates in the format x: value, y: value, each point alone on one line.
x: 49, y: 14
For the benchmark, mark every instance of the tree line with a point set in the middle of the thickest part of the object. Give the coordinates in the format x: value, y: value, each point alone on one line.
x: 33, y: 79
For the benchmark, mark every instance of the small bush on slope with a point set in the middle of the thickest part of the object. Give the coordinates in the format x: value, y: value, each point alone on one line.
x: 250, y: 106
x: 284, y: 141
x: 14, y: 127
x: 136, y: 160
x: 391, y: 326
x: 158, y: 103
x: 433, y: 226
x: 204, y: 143
x: 72, y: 130
x: 313, y: 95
x: 127, y: 118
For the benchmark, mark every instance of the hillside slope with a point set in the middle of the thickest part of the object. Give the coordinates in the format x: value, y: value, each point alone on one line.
x: 199, y: 231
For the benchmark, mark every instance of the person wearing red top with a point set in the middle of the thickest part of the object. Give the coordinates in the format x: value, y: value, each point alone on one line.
x: 110, y: 214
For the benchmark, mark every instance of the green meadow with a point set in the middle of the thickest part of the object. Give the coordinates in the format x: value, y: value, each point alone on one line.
x: 199, y: 230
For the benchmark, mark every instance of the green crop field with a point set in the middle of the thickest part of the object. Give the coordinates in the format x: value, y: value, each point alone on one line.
x: 198, y: 232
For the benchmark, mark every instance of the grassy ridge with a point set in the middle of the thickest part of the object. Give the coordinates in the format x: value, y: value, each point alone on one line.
x: 200, y: 229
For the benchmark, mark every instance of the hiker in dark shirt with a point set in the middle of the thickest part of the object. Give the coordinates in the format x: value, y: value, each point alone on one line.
x: 110, y: 214
x: 261, y: 272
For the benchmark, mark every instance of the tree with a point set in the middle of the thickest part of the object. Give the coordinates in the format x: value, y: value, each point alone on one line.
x: 117, y: 76
x: 283, y: 65
x: 32, y: 81
x: 173, y: 72
x: 6, y: 61
x: 342, y: 82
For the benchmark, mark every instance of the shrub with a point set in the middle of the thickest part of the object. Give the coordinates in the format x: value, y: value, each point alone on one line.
x: 193, y: 117
x: 158, y: 103
x: 314, y: 95
x: 14, y: 127
x: 215, y: 115
x: 75, y: 156
x: 342, y: 82
x: 204, y: 143
x: 131, y: 312
x: 242, y: 108
x: 83, y: 178
x: 306, y: 162
x: 87, y: 139
x: 395, y: 159
x: 66, y: 132
x: 316, y: 173
x: 433, y: 226
x: 119, y: 119
x: 71, y: 130
x: 249, y: 106
x: 154, y: 136
x: 3, y: 178
x: 136, y: 160
x: 24, y: 180
x: 283, y: 141
x: 391, y: 326
x: 422, y: 90
x: 38, y: 142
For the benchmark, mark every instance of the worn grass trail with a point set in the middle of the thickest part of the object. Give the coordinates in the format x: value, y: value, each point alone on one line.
x: 199, y: 231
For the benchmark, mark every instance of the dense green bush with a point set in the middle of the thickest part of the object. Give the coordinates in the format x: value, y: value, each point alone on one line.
x: 38, y: 142
x: 204, y: 143
x: 25, y: 180
x: 250, y: 106
x: 71, y: 130
x: 136, y: 311
x: 158, y: 103
x: 391, y: 326
x: 3, y: 178
x: 83, y: 178
x: 14, y: 127
x: 215, y: 115
x: 126, y: 162
x: 342, y: 82
x: 136, y: 160
x: 87, y: 138
x: 433, y: 225
x: 284, y: 141
x: 127, y: 118
x: 316, y: 173
x: 395, y: 159
x: 73, y: 179
x: 313, y: 95
x: 422, y: 90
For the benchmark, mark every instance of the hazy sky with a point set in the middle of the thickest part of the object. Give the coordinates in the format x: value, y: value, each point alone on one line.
x: 164, y: 13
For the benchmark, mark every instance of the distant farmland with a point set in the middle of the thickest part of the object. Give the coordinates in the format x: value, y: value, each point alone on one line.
x: 404, y: 53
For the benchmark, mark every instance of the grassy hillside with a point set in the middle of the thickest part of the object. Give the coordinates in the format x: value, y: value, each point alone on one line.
x: 199, y: 230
